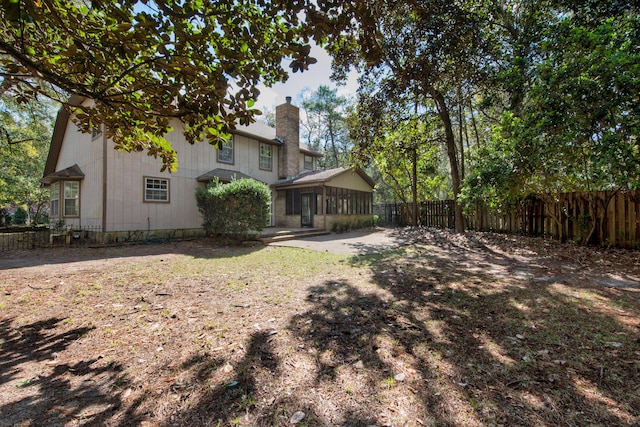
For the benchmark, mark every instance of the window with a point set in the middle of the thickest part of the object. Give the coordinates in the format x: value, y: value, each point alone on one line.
x: 71, y: 198
x: 156, y: 190
x: 293, y: 201
x: 341, y: 201
x: 54, y: 200
x: 308, y: 162
x: 225, y: 153
x: 265, y: 156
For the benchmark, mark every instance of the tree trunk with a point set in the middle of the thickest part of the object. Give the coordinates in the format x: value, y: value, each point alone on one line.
x: 460, y: 134
x: 414, y: 185
x: 550, y: 202
x: 443, y: 113
x: 593, y: 214
x: 605, y: 209
x: 334, y: 149
x: 473, y: 123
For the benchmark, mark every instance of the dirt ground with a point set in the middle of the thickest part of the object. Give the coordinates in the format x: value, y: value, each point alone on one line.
x: 404, y: 327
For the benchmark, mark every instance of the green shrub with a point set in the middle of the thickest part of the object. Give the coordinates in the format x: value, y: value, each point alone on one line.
x: 356, y: 224
x: 20, y: 216
x: 234, y: 209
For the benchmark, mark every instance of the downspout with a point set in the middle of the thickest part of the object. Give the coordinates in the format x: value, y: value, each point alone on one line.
x: 104, y: 184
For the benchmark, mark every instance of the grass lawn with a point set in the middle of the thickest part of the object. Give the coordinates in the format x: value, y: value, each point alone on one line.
x: 474, y: 330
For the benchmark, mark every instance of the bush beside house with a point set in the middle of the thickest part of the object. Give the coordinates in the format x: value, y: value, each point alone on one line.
x: 234, y: 209
x: 20, y: 216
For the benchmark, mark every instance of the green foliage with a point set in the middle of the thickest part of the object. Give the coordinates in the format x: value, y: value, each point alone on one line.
x: 325, y: 126
x: 584, y: 105
x: 572, y: 120
x: 498, y: 170
x: 146, y: 62
x: 234, y: 209
x: 25, y: 134
x: 414, y: 54
x: 354, y: 224
x: 387, y: 143
x: 20, y: 216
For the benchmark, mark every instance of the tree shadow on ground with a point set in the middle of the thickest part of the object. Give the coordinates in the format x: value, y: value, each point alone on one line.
x: 234, y: 386
x: 490, y: 346
x: 59, y: 392
x: 453, y: 335
x: 198, y: 248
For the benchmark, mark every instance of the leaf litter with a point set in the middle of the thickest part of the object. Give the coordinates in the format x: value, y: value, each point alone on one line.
x: 478, y: 329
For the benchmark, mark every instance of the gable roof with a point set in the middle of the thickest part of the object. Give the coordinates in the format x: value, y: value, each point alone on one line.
x: 58, y: 134
x: 71, y: 173
x: 317, y: 177
x: 259, y: 131
x: 256, y: 130
x: 224, y: 175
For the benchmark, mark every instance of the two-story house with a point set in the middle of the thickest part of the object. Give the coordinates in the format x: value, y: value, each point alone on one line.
x: 113, y: 194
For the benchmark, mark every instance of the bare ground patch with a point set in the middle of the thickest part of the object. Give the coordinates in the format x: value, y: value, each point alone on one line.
x: 471, y: 330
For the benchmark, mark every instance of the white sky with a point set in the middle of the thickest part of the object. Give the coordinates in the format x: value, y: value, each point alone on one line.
x: 318, y: 74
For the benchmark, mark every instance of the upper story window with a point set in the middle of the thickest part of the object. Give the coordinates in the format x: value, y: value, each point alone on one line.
x: 265, y: 156
x: 156, y: 190
x: 308, y: 162
x: 71, y: 198
x: 225, y: 153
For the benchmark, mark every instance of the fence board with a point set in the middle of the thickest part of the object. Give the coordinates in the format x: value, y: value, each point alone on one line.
x: 617, y: 222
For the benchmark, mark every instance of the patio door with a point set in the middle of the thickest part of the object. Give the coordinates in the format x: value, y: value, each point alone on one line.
x: 306, y: 209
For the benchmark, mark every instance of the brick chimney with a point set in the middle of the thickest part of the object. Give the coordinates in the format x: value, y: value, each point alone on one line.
x: 288, y: 130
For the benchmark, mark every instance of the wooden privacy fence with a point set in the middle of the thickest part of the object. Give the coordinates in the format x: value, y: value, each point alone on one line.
x: 389, y: 214
x: 603, y: 217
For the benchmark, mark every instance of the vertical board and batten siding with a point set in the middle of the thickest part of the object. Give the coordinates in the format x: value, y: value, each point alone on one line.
x: 80, y: 149
x: 126, y: 209
x: 617, y: 218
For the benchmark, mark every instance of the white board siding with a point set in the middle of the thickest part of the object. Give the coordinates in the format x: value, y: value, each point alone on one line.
x: 126, y: 209
x: 80, y: 149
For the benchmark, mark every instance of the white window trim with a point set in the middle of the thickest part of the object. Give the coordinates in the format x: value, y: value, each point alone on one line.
x: 64, y: 200
x: 55, y: 214
x: 270, y: 157
x: 229, y: 142
x: 304, y: 162
x: 146, y: 181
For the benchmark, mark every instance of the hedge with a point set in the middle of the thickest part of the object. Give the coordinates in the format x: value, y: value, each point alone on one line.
x: 234, y: 209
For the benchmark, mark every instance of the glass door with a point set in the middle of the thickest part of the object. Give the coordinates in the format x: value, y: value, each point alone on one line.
x: 306, y: 209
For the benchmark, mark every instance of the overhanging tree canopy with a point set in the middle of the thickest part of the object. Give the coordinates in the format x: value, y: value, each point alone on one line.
x: 143, y: 63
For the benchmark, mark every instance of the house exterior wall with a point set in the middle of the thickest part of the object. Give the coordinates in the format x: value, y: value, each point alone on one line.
x: 80, y: 149
x: 301, y: 163
x: 322, y: 221
x: 113, y: 188
x: 126, y: 208
x: 347, y: 180
x: 351, y: 181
